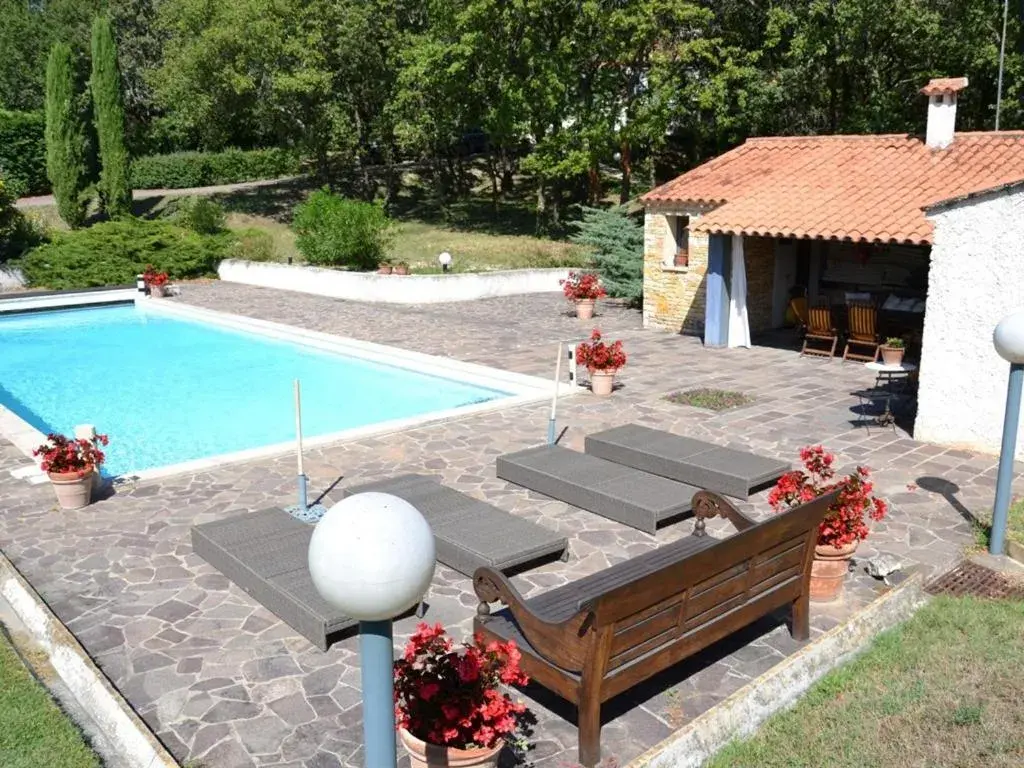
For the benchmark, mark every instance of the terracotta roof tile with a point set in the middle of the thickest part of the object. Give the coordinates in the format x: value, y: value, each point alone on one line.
x: 944, y: 85
x: 871, y: 188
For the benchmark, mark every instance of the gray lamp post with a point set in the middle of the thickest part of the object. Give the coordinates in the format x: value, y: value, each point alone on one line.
x: 1008, y: 339
x: 372, y: 557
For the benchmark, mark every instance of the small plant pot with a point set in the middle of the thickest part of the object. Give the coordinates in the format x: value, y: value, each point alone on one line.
x: 602, y: 382
x: 157, y: 291
x: 828, y: 571
x: 384, y: 269
x: 73, y: 491
x: 401, y: 270
x: 892, y: 355
x: 423, y: 755
x: 585, y: 308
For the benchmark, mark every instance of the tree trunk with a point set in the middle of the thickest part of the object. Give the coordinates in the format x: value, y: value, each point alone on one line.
x: 507, y: 172
x: 541, y: 206
x: 492, y: 170
x: 626, y: 163
x: 593, y: 183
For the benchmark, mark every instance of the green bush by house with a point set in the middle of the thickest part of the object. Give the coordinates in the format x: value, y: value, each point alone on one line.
x: 23, y: 152
x: 181, y: 170
x: 618, y: 243
x: 334, y: 231
x: 114, y: 252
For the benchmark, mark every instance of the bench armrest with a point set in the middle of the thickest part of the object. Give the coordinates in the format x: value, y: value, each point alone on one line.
x: 707, y: 505
x: 562, y: 643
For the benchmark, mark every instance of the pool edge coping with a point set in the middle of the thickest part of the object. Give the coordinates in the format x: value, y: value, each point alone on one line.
x: 526, y: 389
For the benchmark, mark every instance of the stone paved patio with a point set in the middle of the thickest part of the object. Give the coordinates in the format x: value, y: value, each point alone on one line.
x: 222, y: 682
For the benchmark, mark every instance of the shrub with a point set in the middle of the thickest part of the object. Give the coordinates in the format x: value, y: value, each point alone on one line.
x: 114, y: 252
x: 252, y: 245
x: 618, y: 243
x: 17, y: 233
x: 335, y: 231
x: 202, y: 215
x: 181, y: 170
x: 23, y: 152
x: 65, y: 137
x: 108, y: 110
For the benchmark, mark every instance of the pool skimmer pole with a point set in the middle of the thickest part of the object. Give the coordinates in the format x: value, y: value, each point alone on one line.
x: 554, y: 397
x: 303, y: 505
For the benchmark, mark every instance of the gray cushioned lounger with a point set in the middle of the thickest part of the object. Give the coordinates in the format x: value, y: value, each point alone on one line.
x: 722, y: 470
x: 469, y: 533
x: 611, y: 490
x: 265, y: 553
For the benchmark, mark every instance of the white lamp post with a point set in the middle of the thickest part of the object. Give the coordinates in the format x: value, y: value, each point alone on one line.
x: 445, y: 260
x: 372, y: 557
x: 1008, y: 339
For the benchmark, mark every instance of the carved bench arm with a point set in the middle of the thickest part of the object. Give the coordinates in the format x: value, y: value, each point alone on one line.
x: 707, y: 505
x: 560, y: 643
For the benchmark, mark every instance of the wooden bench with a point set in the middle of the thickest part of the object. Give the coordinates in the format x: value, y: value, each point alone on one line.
x: 597, y: 637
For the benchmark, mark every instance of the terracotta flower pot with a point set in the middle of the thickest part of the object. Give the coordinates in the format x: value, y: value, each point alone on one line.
x: 585, y: 308
x: 602, y: 382
x: 384, y: 269
x: 828, y: 571
x: 157, y: 291
x: 401, y: 269
x: 74, y: 491
x: 892, y: 355
x: 423, y: 755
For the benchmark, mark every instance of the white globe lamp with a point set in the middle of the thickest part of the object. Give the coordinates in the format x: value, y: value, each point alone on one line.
x: 445, y: 259
x: 372, y: 556
x: 1008, y: 339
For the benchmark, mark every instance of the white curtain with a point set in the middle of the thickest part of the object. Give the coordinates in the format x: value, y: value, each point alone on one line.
x: 739, y: 328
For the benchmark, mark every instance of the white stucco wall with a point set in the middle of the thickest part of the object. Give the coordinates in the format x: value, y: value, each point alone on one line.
x: 392, y: 289
x: 976, y: 279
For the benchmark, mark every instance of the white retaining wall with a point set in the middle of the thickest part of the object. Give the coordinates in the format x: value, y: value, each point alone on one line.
x: 391, y: 289
x: 976, y: 278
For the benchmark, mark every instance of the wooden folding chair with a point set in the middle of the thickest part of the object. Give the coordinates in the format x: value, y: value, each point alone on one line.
x: 863, y: 321
x: 799, y: 307
x: 820, y: 328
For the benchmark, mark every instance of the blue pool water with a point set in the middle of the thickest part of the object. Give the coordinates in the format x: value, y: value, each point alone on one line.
x: 168, y: 390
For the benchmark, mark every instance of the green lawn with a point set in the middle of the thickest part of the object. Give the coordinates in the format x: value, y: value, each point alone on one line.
x: 34, y: 733
x: 944, y: 689
x: 1014, y: 524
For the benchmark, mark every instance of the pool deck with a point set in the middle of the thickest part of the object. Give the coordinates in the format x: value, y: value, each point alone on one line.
x: 222, y: 682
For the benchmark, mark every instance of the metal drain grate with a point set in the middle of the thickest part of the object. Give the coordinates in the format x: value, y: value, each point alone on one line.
x: 973, y: 579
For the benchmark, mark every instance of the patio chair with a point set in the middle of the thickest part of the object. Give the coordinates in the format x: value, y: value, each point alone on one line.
x: 798, y: 305
x: 863, y: 332
x: 820, y: 328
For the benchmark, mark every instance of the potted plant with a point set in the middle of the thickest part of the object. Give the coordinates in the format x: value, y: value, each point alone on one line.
x: 843, y: 528
x: 449, y: 708
x: 70, y: 464
x: 384, y: 268
x: 583, y: 289
x: 602, y: 360
x: 155, y: 281
x: 892, y: 350
x: 401, y: 268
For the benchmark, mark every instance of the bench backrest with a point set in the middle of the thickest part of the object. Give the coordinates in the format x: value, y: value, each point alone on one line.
x: 671, y: 612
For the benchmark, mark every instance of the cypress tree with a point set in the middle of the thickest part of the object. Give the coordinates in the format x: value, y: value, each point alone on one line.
x: 108, y: 108
x: 65, y: 137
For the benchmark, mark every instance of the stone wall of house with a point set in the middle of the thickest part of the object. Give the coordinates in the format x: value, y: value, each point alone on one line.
x: 673, y: 296
x: 975, y: 279
x: 759, y: 255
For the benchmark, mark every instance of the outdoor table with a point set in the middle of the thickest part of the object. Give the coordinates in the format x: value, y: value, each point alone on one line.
x: 890, y: 378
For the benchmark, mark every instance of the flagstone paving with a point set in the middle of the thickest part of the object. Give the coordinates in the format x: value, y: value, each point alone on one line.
x: 222, y: 682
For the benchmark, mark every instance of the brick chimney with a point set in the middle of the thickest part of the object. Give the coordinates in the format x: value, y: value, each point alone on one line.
x: 941, y: 93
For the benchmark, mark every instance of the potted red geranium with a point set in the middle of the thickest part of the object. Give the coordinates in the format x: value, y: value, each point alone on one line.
x: 583, y: 289
x: 844, y: 527
x: 155, y: 281
x: 70, y: 464
x: 602, y: 360
x: 449, y: 708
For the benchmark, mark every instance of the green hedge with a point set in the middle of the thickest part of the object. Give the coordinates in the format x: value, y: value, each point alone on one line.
x: 201, y: 169
x: 114, y: 252
x: 23, y: 152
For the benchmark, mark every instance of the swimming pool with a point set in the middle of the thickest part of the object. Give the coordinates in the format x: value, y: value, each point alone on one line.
x: 170, y: 390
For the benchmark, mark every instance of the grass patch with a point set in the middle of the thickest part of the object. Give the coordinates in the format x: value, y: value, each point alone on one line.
x: 711, y: 399
x: 1014, y: 525
x: 34, y: 732
x: 942, y: 689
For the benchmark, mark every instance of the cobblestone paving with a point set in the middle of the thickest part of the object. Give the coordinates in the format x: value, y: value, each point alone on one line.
x: 223, y: 683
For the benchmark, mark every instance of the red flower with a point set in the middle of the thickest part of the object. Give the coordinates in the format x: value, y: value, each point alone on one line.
x: 582, y: 286
x: 598, y: 356
x: 845, y: 522
x: 152, y: 277
x: 62, y: 454
x: 451, y: 697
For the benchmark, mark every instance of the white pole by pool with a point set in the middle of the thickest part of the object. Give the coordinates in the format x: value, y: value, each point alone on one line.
x: 554, y: 397
x: 298, y: 447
